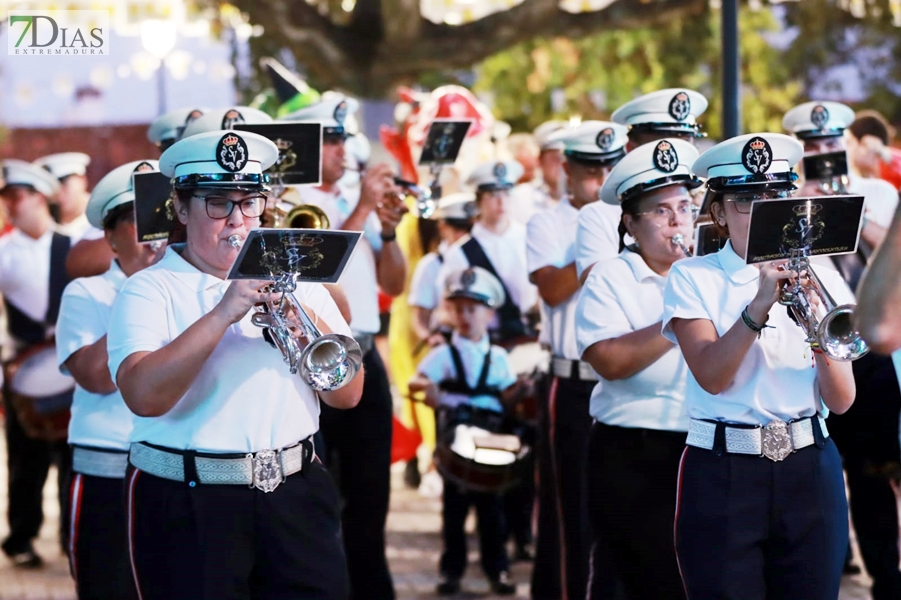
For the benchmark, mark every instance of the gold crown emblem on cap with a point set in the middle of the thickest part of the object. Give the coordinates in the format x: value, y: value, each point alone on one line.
x: 802, y: 210
x: 664, y: 146
x: 758, y: 144
x: 230, y: 140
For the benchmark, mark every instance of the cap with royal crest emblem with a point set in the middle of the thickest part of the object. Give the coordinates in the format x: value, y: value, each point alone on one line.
x: 818, y: 119
x: 460, y: 206
x: 671, y: 110
x: 25, y: 174
x: 234, y: 159
x: 225, y: 118
x: 168, y: 128
x: 476, y: 284
x: 495, y: 175
x: 63, y: 164
x: 116, y: 189
x: 599, y: 142
x: 649, y: 167
x: 332, y: 112
x: 753, y: 160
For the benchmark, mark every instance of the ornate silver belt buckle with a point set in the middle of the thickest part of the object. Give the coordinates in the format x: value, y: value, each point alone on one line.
x: 267, y: 470
x: 776, y: 440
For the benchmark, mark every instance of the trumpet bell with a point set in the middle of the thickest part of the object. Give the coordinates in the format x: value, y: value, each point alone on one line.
x: 306, y: 216
x: 330, y: 362
x: 837, y: 336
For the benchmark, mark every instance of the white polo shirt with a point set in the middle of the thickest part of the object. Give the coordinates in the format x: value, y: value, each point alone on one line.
x: 550, y: 242
x: 359, y: 278
x: 775, y: 379
x: 597, y: 235
x: 243, y: 398
x: 507, y: 252
x: 880, y: 198
x: 98, y: 420
x: 529, y: 199
x: 25, y: 272
x: 438, y: 366
x: 80, y: 229
x: 620, y: 296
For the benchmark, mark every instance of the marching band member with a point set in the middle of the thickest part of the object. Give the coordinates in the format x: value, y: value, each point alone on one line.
x: 638, y: 406
x: 224, y: 495
x: 361, y: 438
x: 32, y: 279
x: 497, y: 244
x: 470, y: 370
x: 454, y: 215
x: 761, y: 495
x: 224, y: 118
x: 867, y: 435
x: 590, y: 149
x: 877, y: 316
x: 70, y: 168
x: 101, y: 423
x: 526, y: 198
x: 670, y: 113
x: 550, y: 161
x: 168, y: 128
x: 870, y: 148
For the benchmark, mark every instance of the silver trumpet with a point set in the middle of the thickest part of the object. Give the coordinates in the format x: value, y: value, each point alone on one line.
x: 326, y: 362
x: 835, y: 334
x: 679, y: 240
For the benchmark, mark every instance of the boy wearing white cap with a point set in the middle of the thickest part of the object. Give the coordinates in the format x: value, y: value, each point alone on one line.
x: 498, y: 245
x: 454, y: 215
x: 590, y: 150
x: 101, y: 424
x: 224, y: 496
x: 639, y: 417
x: 470, y: 371
x: 867, y: 435
x: 32, y: 279
x: 761, y: 496
x: 360, y: 439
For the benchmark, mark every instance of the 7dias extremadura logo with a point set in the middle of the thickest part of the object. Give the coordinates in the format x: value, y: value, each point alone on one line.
x: 58, y: 32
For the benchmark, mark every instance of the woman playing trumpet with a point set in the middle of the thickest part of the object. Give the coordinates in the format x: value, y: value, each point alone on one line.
x: 761, y: 496
x: 639, y: 418
x: 223, y: 414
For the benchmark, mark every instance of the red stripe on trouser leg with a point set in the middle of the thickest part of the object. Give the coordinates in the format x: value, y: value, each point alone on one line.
x: 676, y: 519
x: 558, y: 491
x: 75, y: 491
x: 130, y: 500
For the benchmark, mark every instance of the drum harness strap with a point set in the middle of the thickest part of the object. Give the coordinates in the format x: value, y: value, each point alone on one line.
x: 26, y: 329
x: 509, y: 315
x: 459, y: 384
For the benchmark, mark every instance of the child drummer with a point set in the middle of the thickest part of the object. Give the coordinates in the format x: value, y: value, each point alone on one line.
x: 471, y: 371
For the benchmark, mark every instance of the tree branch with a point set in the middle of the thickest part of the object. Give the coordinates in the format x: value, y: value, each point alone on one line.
x: 401, y: 21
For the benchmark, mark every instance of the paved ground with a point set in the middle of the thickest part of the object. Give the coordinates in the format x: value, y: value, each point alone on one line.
x: 413, y: 548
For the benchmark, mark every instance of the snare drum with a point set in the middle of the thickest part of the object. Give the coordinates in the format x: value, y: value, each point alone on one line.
x: 479, y: 449
x: 39, y: 393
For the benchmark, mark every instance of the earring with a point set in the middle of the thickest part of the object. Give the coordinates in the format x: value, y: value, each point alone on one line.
x: 113, y: 246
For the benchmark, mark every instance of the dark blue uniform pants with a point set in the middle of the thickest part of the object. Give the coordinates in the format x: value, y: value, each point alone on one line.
x: 232, y: 542
x: 98, y: 544
x: 358, y: 451
x: 489, y: 512
x: 748, y: 528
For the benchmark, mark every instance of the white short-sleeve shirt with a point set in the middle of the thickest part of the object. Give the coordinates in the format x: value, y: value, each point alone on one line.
x: 507, y: 252
x: 776, y: 379
x: 80, y: 229
x: 880, y: 198
x: 359, y: 279
x: 98, y: 420
x: 25, y: 272
x: 620, y: 296
x: 528, y: 199
x: 550, y: 242
x: 597, y: 236
x: 243, y: 399
x: 438, y: 366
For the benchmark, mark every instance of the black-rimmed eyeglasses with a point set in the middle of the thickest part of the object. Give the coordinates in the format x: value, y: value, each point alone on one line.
x: 742, y: 200
x: 221, y: 207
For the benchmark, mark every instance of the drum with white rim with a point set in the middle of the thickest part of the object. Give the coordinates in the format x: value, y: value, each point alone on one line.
x: 39, y: 393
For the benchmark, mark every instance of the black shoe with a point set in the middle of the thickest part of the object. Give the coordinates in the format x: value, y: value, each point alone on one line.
x: 502, y: 586
x: 523, y: 553
x: 27, y: 559
x: 448, y: 586
x: 412, y: 478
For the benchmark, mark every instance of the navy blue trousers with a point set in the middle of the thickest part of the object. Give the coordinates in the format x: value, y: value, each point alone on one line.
x: 748, y: 528
x: 489, y: 512
x: 98, y: 542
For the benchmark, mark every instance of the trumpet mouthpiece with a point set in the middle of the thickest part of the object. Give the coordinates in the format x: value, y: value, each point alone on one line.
x: 235, y: 241
x: 678, y: 239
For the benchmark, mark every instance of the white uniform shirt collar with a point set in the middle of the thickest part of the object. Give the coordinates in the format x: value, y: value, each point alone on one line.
x: 115, y: 275
x: 186, y: 272
x: 640, y: 268
x: 736, y: 269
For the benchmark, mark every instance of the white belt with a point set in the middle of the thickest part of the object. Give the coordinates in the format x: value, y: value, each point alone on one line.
x: 264, y: 470
x: 110, y: 464
x: 775, y: 440
x: 572, y: 369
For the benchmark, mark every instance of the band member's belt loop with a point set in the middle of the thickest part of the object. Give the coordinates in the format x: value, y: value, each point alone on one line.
x: 719, y: 439
x: 818, y: 438
x: 191, y: 477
